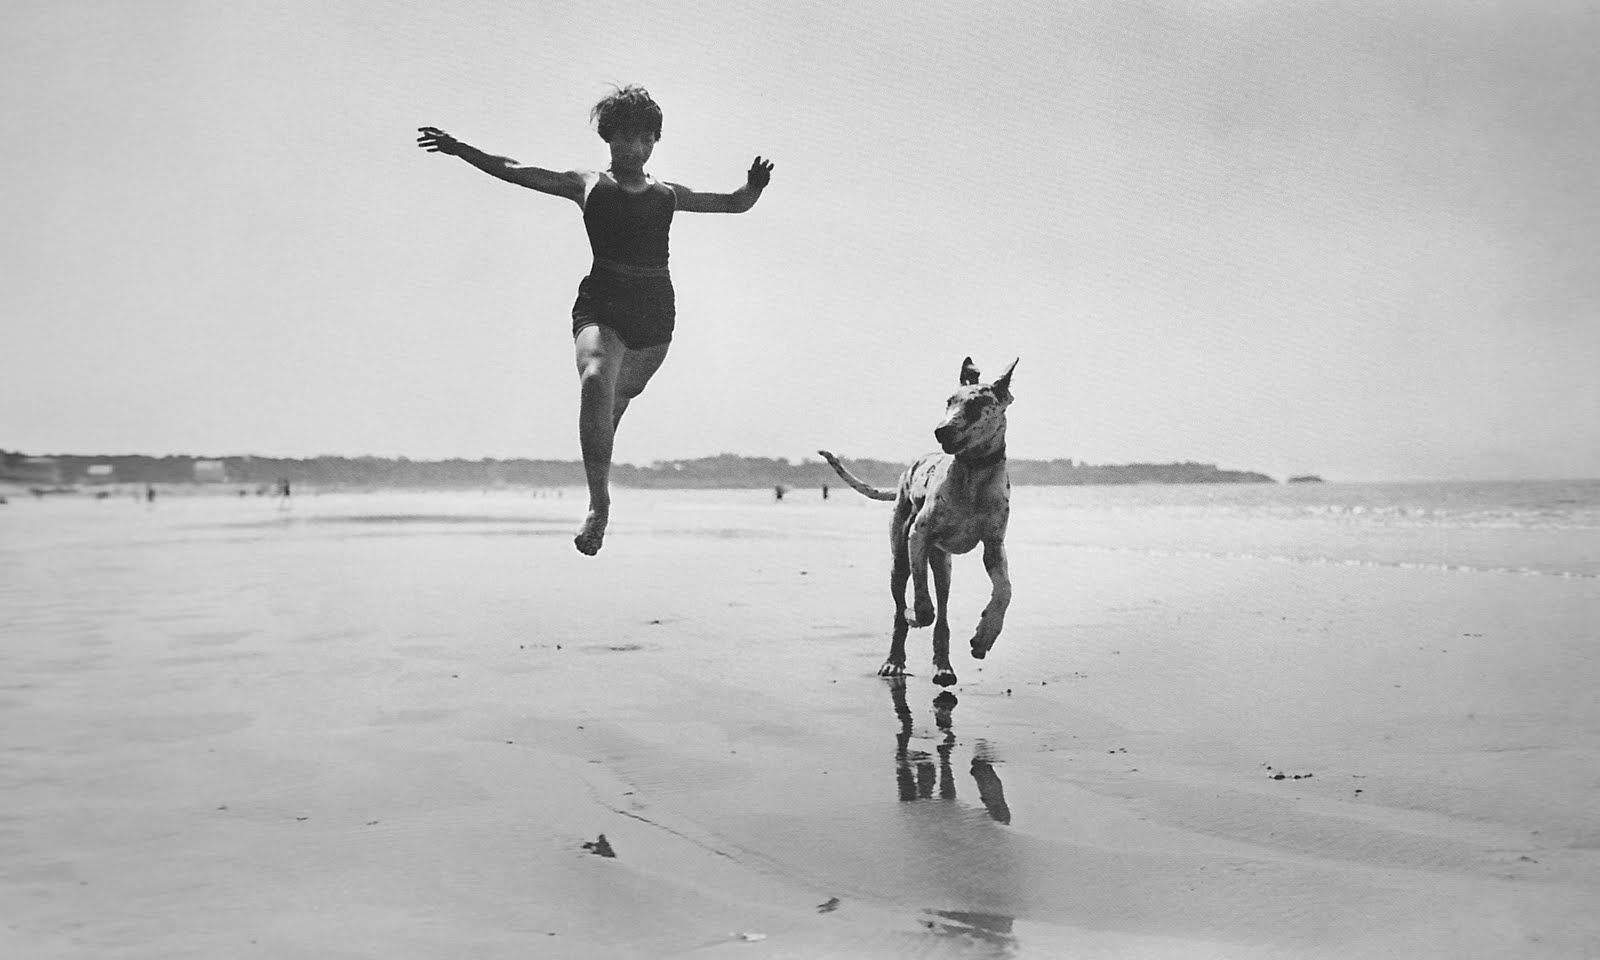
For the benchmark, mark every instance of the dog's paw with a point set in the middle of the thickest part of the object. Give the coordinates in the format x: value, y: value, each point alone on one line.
x: 920, y: 615
x: 892, y: 669
x: 946, y: 677
x: 983, y: 639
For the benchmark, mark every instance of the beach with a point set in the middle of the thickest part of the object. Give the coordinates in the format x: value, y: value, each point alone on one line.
x: 387, y: 724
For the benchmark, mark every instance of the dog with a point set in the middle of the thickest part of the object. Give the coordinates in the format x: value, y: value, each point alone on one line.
x: 947, y: 503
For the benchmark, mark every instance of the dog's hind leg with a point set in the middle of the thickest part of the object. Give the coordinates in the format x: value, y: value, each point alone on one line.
x: 899, y: 573
x: 939, y: 562
x: 994, y: 612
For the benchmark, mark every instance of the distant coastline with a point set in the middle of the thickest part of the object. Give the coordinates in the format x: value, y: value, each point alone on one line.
x: 723, y: 471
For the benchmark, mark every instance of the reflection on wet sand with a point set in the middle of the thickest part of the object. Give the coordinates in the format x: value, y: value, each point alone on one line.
x: 920, y: 775
x: 917, y: 774
x: 988, y: 929
x: 990, y: 791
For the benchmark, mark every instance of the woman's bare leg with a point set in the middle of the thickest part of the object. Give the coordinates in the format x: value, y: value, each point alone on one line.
x: 599, y: 354
x: 638, y: 366
x: 609, y: 376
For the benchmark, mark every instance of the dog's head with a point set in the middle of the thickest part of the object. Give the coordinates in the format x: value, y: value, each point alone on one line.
x: 975, y: 417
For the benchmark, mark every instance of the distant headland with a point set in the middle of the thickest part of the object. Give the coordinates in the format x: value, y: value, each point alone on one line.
x: 724, y: 471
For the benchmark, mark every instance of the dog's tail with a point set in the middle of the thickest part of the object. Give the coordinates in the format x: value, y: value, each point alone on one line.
x: 849, y: 478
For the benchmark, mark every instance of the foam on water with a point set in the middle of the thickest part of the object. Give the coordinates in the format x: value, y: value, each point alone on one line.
x: 1538, y: 528
x: 1523, y: 504
x: 1350, y: 562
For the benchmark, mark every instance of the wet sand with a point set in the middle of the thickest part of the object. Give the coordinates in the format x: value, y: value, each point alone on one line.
x: 387, y: 725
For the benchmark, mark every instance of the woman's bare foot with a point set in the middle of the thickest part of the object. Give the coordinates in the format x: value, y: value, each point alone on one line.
x: 592, y: 534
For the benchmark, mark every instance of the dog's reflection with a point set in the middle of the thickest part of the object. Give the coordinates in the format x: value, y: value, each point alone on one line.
x: 918, y: 775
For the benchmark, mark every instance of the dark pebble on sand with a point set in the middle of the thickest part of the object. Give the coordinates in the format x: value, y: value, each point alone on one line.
x: 601, y: 847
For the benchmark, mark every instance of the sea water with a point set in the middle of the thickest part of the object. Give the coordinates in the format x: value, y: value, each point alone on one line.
x: 1537, y: 528
x: 1544, y: 527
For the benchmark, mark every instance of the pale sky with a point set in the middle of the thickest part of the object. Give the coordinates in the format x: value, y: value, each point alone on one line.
x: 1352, y: 238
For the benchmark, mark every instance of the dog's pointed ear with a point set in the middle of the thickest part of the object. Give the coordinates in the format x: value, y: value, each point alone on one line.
x: 969, y: 373
x: 1002, y: 383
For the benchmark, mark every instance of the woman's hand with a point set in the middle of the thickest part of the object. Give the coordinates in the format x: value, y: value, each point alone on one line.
x: 760, y: 174
x: 435, y: 140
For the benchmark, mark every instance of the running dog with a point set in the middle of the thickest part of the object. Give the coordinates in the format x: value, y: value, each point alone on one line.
x: 948, y: 503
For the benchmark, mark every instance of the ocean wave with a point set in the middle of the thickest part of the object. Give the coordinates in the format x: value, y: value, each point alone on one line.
x: 1525, y: 505
x: 1319, y: 560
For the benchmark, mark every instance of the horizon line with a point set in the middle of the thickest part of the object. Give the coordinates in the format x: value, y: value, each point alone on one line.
x: 1411, y: 478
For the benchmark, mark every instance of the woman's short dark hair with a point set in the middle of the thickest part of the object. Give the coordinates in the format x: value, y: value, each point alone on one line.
x: 627, y: 110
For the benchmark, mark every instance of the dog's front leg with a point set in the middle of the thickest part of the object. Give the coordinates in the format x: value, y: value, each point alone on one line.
x: 994, y: 612
x: 918, y: 545
x: 939, y: 561
x: 900, y: 572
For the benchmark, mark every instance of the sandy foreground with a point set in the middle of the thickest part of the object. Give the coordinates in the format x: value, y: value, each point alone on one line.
x: 386, y: 726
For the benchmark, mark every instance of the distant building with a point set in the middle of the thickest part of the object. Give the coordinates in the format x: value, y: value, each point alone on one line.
x: 100, y: 473
x: 210, y: 471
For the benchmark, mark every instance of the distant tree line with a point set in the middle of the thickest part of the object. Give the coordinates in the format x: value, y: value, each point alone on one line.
x: 724, y: 470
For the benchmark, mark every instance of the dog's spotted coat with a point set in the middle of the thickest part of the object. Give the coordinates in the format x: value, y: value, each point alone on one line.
x: 947, y: 503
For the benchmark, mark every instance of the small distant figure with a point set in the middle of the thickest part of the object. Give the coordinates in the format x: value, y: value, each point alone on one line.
x: 824, y: 491
x: 625, y: 313
x: 778, y: 492
x: 284, y: 493
x: 149, y: 493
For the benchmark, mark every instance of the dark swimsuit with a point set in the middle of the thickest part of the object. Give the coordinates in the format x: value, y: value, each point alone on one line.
x: 629, y: 288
